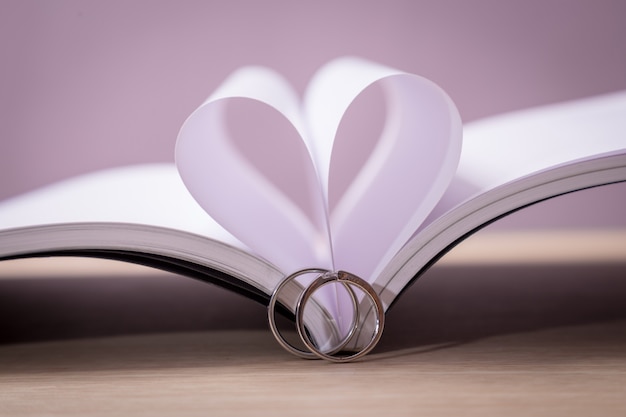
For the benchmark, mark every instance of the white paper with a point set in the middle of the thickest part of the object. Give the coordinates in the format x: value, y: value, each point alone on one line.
x: 510, y: 146
x: 147, y: 194
x: 399, y: 184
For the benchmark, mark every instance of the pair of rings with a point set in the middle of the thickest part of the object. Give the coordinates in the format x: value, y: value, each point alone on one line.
x: 325, y: 277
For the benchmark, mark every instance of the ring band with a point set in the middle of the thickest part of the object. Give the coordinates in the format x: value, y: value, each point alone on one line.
x: 347, y: 279
x: 325, y: 276
x: 271, y: 316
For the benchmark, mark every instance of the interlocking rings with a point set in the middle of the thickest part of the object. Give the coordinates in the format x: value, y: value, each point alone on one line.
x: 325, y: 277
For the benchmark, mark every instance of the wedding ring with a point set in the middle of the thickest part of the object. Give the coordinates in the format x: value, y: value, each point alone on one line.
x: 348, y: 280
x: 271, y: 316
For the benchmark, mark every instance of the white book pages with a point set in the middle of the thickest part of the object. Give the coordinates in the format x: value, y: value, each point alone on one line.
x: 420, y: 145
x: 146, y: 194
x: 521, y: 158
x: 506, y: 147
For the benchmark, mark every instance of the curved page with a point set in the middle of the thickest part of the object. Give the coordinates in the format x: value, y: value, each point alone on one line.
x: 399, y: 184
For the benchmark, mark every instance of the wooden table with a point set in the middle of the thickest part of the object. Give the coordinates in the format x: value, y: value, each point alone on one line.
x: 507, y: 338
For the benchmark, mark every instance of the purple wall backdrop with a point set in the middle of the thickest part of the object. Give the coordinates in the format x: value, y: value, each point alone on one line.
x: 91, y: 84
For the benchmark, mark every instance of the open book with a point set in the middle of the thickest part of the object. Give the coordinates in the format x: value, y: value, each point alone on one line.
x: 312, y: 229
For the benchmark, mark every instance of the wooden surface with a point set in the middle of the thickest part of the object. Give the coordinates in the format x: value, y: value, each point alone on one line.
x: 573, y: 371
x: 467, y: 339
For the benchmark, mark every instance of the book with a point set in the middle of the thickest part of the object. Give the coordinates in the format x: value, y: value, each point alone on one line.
x: 272, y: 197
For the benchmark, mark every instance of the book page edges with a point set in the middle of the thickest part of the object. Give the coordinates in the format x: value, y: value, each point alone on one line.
x: 443, y: 234
x: 189, y: 254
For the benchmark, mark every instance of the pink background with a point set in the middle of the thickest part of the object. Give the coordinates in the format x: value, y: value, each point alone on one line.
x: 86, y: 85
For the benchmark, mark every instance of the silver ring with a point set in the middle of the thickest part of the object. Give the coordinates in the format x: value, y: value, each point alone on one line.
x: 271, y: 316
x: 347, y: 279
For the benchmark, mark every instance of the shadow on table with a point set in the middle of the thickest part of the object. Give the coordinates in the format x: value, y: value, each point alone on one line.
x: 452, y: 304
x: 449, y: 304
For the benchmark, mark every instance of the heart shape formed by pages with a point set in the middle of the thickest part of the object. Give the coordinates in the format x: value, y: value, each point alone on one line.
x: 405, y: 175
